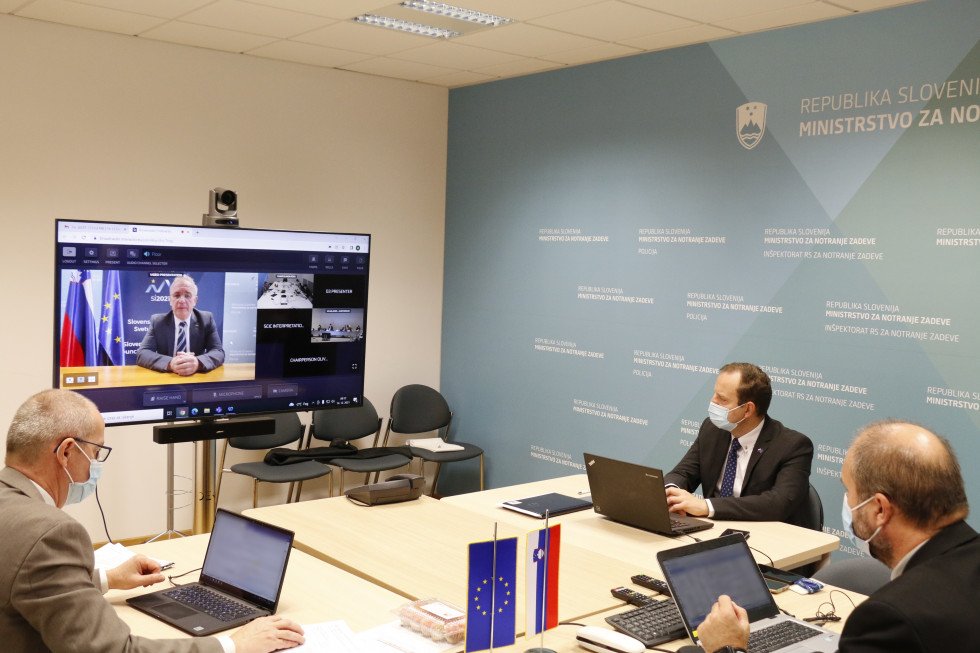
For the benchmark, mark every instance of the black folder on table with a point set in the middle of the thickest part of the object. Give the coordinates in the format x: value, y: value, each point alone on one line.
x: 552, y: 504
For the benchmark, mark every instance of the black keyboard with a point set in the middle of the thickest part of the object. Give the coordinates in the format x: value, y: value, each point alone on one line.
x: 778, y: 636
x: 210, y: 602
x: 652, y: 624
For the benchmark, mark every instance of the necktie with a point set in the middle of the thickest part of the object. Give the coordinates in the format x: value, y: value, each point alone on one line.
x: 182, y: 337
x: 728, y: 480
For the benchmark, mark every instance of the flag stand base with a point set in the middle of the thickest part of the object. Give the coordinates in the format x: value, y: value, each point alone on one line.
x: 539, y: 650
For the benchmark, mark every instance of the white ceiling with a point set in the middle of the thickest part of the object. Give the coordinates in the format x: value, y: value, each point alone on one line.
x: 547, y: 34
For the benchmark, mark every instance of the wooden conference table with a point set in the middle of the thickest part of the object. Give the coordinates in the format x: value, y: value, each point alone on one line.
x: 787, y: 546
x: 357, y: 563
x: 313, y: 592
x: 419, y: 548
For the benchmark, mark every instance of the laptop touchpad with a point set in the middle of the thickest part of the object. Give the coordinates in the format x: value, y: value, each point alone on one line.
x: 175, y: 610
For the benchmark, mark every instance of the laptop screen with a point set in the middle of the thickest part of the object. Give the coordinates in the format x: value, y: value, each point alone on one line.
x: 699, y: 573
x: 247, y: 555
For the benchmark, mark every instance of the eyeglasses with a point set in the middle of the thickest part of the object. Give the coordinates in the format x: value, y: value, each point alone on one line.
x: 101, y: 454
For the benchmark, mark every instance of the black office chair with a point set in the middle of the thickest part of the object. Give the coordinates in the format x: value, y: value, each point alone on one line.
x: 863, y: 575
x: 289, y: 429
x: 811, y: 516
x: 417, y: 409
x: 340, y: 426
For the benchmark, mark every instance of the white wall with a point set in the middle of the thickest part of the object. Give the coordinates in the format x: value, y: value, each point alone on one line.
x: 107, y: 127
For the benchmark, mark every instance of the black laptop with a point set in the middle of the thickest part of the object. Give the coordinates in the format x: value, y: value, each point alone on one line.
x: 701, y: 572
x: 634, y: 495
x: 241, y: 579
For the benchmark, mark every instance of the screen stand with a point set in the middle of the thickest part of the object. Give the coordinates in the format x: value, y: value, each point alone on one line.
x: 170, y: 532
x: 206, y: 432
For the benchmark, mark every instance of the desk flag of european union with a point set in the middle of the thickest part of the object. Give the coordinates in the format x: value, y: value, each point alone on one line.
x: 491, y: 604
x: 111, y: 324
x: 79, y: 338
x: 542, y: 580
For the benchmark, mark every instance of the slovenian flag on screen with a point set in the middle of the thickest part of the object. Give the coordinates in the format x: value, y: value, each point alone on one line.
x: 491, y: 604
x: 542, y: 579
x: 79, y: 339
x: 111, y: 323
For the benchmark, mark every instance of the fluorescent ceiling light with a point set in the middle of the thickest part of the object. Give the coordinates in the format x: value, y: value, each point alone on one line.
x: 405, y: 26
x: 457, y: 13
x: 441, y: 21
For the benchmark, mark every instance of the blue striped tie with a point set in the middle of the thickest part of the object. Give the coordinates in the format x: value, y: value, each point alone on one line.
x: 728, y: 480
x: 181, y: 337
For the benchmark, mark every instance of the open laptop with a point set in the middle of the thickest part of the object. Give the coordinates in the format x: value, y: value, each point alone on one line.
x: 699, y: 573
x: 241, y: 578
x: 634, y: 495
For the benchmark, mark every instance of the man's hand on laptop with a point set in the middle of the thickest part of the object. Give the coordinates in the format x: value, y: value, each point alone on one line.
x: 268, y: 634
x: 138, y: 571
x: 685, y: 503
x: 726, y: 625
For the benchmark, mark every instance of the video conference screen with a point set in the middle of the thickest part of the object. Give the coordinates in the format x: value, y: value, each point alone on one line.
x: 162, y: 323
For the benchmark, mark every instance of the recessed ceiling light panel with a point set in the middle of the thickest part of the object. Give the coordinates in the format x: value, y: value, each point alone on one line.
x: 457, y: 13
x: 405, y: 26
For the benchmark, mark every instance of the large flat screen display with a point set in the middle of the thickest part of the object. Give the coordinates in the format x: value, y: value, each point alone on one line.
x: 159, y: 323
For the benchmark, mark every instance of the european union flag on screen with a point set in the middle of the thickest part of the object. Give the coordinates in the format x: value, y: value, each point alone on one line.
x: 111, y: 323
x: 79, y: 339
x: 491, y: 603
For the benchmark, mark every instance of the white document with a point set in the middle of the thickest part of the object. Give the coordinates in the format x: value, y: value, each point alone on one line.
x: 393, y: 637
x: 114, y: 554
x: 434, y: 444
x: 329, y: 637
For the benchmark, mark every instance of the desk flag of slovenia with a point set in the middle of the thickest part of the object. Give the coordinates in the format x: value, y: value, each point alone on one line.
x: 111, y: 325
x: 542, y: 580
x: 491, y: 603
x: 79, y: 338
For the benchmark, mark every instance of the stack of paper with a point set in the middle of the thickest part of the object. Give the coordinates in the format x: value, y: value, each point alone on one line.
x: 437, y: 445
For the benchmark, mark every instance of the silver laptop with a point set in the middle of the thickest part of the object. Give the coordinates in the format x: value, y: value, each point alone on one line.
x: 699, y: 573
x: 634, y: 495
x: 241, y: 579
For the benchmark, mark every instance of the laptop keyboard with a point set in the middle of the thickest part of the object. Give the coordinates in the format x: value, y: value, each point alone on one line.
x: 210, y: 602
x: 776, y: 637
x: 652, y: 624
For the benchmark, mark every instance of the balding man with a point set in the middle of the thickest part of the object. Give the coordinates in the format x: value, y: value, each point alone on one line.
x: 50, y: 594
x: 905, y: 503
x: 184, y: 341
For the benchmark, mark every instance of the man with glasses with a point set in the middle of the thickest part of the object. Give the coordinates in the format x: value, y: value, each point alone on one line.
x: 50, y: 593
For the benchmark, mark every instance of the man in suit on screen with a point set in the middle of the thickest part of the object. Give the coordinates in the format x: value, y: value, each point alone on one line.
x: 184, y: 341
x: 749, y: 466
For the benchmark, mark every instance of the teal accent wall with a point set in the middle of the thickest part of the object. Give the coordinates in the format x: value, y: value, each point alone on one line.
x: 611, y: 242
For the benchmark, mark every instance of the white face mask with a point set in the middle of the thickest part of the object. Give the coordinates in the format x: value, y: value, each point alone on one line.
x: 719, y: 416
x: 77, y: 492
x: 847, y: 518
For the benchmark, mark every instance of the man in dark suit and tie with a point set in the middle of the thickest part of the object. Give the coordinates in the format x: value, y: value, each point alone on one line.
x: 50, y: 592
x: 905, y: 504
x: 185, y: 340
x: 749, y: 466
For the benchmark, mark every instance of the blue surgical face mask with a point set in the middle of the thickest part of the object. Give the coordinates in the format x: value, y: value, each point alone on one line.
x: 78, y: 492
x: 847, y: 518
x: 719, y: 416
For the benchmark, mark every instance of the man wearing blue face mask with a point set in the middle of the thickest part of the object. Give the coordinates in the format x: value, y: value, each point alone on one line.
x: 749, y: 466
x: 905, y: 502
x: 50, y: 594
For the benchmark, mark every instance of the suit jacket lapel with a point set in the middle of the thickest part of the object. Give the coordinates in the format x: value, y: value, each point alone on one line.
x: 761, y: 444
